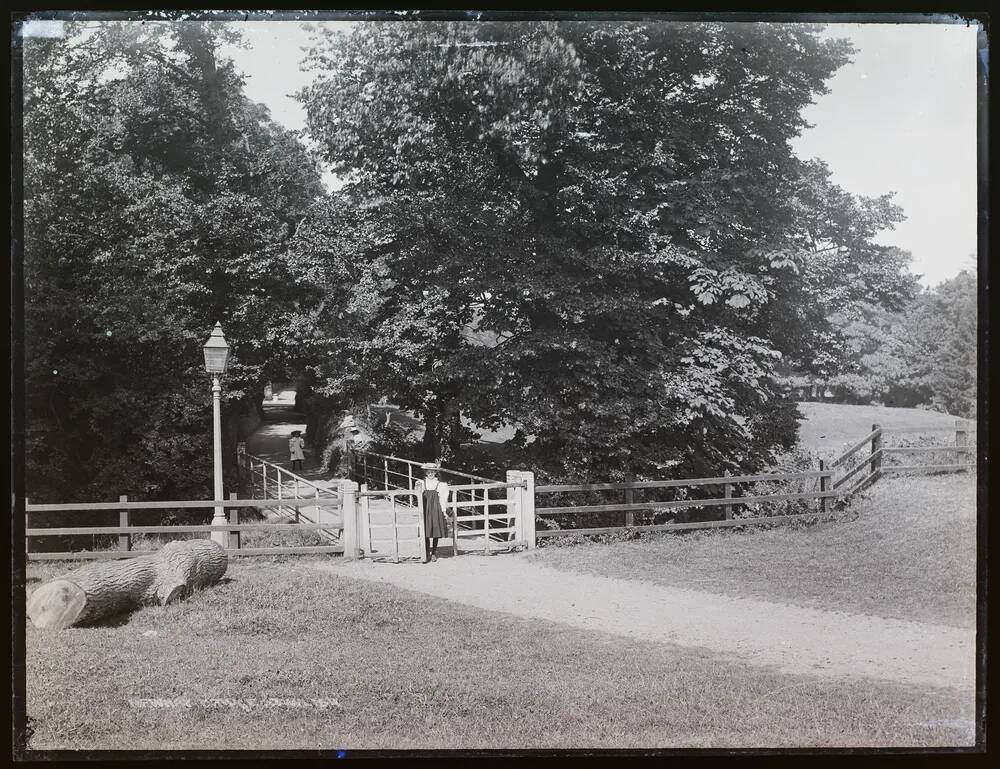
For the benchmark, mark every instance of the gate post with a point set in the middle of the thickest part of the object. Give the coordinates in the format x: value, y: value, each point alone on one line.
x: 349, y: 497
x: 525, y: 502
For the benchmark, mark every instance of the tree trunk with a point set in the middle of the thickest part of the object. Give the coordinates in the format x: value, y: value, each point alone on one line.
x: 101, y: 590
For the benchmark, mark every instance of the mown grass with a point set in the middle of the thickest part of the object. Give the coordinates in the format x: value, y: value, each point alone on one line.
x: 829, y: 427
x: 906, y: 550
x: 372, y: 666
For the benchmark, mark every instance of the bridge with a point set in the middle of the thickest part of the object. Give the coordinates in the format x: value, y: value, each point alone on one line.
x: 482, y: 512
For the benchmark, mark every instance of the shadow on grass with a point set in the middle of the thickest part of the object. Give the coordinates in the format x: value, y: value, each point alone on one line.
x: 116, y: 620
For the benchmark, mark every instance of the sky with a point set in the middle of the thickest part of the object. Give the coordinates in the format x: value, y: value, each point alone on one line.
x: 900, y: 118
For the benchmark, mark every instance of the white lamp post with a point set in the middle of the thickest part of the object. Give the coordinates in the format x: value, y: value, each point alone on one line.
x: 216, y: 360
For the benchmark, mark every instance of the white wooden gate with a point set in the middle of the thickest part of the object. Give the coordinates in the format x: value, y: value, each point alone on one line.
x: 391, y: 525
x: 489, y: 517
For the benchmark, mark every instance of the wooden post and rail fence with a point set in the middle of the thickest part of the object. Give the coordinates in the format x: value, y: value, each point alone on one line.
x: 501, y: 515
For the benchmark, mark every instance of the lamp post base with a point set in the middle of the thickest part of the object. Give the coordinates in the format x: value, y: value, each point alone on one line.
x: 219, y: 519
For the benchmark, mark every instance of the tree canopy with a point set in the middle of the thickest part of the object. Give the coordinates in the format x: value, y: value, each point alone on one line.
x: 157, y: 200
x: 614, y: 207
x: 922, y: 355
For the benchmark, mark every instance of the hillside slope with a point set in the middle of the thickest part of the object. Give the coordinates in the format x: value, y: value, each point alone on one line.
x: 827, y: 426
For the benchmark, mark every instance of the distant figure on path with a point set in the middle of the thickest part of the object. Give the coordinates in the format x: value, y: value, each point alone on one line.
x: 435, y: 495
x: 295, y: 446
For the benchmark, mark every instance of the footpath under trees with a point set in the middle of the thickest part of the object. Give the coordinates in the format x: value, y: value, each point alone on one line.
x: 597, y: 233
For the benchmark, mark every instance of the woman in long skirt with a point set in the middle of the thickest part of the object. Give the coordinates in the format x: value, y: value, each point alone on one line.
x: 435, y: 497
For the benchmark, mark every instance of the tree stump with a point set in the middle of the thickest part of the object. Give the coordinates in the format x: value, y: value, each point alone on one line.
x: 100, y: 590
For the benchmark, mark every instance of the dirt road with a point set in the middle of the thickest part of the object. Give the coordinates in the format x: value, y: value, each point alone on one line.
x: 790, y: 638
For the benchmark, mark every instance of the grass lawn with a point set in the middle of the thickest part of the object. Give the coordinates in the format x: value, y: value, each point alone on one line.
x: 909, y: 554
x: 830, y: 427
x: 283, y: 656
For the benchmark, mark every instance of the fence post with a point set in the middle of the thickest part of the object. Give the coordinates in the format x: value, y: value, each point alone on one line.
x: 349, y: 495
x: 454, y: 522
x: 527, y: 508
x: 961, y: 439
x: 727, y: 493
x: 281, y: 485
x: 124, y: 540
x: 876, y: 463
x: 822, y: 487
x: 28, y: 524
x: 513, y: 504
x: 629, y: 500
x: 234, y: 519
x: 363, y: 517
x: 385, y: 473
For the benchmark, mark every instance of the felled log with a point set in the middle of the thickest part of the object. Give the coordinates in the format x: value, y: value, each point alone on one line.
x: 101, y: 590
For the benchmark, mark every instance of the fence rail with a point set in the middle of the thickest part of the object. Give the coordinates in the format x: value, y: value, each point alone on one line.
x: 931, y: 429
x: 93, y: 555
x: 681, y: 503
x: 927, y: 468
x: 725, y: 523
x: 718, y: 481
x: 871, y: 438
x: 179, y: 505
x: 503, y: 513
x: 412, y: 466
x: 126, y: 531
x: 858, y: 468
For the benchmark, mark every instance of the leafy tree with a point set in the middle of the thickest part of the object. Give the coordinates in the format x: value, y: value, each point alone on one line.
x: 921, y: 355
x: 878, y: 358
x: 616, y: 205
x: 943, y: 322
x: 158, y: 200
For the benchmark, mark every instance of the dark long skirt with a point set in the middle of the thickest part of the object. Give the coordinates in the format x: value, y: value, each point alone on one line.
x: 435, y: 524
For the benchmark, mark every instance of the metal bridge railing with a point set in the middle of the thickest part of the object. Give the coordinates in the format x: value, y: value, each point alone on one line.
x: 275, y: 482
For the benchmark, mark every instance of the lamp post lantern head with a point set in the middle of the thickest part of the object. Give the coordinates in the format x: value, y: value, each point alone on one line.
x: 216, y: 352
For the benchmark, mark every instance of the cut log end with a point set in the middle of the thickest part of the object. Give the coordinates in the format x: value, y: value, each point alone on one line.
x: 57, y: 604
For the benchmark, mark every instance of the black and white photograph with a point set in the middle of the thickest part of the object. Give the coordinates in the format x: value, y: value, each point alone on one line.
x: 401, y: 383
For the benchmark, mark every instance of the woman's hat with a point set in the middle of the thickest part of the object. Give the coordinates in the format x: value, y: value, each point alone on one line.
x: 296, y: 432
x: 430, y: 466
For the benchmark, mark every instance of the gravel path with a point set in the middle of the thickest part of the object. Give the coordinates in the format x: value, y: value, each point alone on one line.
x: 793, y: 639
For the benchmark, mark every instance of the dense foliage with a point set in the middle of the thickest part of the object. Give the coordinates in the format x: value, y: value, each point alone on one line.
x: 596, y: 233
x: 157, y: 200
x: 923, y: 355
